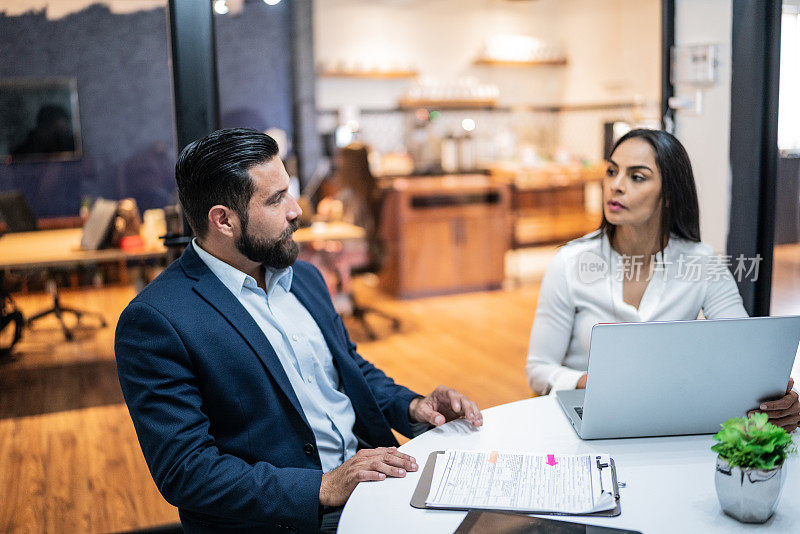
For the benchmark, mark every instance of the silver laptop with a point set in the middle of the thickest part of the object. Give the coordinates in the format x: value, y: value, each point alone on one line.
x: 680, y: 377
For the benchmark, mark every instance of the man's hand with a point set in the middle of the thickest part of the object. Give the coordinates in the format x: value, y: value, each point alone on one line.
x: 783, y: 412
x: 581, y: 382
x: 443, y: 405
x: 367, y: 464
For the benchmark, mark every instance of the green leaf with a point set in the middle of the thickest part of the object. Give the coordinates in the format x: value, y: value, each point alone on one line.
x: 753, y: 442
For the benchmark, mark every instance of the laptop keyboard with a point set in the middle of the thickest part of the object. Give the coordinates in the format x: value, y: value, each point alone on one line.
x: 579, y: 411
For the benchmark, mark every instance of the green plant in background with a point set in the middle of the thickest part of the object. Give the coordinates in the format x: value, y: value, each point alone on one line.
x: 753, y: 442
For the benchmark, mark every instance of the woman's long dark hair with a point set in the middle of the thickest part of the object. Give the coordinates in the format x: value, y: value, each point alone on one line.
x: 680, y: 214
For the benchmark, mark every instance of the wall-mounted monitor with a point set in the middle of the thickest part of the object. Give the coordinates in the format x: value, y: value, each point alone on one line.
x: 39, y: 119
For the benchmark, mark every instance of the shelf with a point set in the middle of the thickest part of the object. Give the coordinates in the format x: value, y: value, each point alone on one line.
x: 447, y: 104
x: 485, y: 62
x: 374, y: 74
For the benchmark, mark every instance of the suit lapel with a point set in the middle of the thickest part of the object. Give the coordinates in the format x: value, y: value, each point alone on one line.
x: 213, y: 291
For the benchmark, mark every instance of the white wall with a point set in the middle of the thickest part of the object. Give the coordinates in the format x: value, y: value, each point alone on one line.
x: 707, y: 136
x: 612, y: 47
x: 439, y: 38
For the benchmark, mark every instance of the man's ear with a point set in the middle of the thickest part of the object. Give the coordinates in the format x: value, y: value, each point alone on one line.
x: 223, y: 220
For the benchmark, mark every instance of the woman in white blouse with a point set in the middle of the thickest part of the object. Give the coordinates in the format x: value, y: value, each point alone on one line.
x: 645, y: 263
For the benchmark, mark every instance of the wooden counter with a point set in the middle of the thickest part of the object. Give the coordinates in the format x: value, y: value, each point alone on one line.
x: 549, y: 202
x: 444, y: 234
x: 546, y: 177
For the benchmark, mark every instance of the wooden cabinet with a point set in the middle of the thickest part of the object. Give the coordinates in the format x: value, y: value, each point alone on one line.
x: 444, y: 235
x: 551, y: 215
x: 549, y: 203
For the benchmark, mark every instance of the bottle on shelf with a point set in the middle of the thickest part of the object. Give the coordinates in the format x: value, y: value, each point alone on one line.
x: 466, y: 153
x: 450, y: 154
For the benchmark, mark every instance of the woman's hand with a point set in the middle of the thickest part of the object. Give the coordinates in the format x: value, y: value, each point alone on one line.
x: 783, y: 412
x: 581, y: 382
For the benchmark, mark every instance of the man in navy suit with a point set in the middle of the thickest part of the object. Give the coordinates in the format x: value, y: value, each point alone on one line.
x: 253, y: 409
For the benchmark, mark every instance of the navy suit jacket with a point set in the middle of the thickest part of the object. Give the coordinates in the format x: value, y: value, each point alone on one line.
x: 220, y: 426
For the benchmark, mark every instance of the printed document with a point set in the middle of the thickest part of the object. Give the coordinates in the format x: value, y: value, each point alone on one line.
x: 493, y: 480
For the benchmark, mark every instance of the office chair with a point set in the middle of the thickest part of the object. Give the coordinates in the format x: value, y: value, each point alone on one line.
x: 19, y: 218
x: 364, y: 200
x: 16, y: 212
x: 10, y: 317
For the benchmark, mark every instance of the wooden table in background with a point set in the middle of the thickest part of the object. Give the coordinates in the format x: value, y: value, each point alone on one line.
x: 329, y: 231
x: 61, y: 248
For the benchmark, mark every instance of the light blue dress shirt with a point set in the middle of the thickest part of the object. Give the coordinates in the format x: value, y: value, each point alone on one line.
x: 302, y: 351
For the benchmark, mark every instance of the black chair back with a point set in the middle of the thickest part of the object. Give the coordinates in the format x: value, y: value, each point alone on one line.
x: 352, y: 173
x: 16, y: 212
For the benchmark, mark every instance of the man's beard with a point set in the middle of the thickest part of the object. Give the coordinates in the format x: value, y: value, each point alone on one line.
x: 278, y: 253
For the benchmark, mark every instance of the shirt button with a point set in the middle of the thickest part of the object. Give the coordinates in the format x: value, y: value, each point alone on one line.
x: 295, y: 337
x: 309, y: 379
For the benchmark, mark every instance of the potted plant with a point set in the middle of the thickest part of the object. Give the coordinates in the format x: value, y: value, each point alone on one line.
x: 749, y: 477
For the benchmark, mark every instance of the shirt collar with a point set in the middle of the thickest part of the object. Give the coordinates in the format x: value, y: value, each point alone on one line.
x: 662, y: 255
x: 283, y: 277
x: 235, y: 280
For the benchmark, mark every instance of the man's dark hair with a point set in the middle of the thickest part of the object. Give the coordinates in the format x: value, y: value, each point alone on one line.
x: 215, y: 170
x: 680, y: 213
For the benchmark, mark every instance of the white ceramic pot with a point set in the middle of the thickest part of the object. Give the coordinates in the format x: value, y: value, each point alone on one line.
x: 748, y: 495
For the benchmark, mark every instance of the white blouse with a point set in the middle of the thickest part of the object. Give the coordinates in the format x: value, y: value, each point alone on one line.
x: 583, y: 287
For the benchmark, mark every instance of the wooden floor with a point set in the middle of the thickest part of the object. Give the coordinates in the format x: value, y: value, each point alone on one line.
x: 71, y: 462
x: 69, y: 458
x: 69, y: 455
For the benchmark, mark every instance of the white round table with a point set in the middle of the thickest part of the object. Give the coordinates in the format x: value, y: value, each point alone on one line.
x: 669, y: 481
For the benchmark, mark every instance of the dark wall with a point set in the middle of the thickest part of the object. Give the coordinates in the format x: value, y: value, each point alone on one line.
x: 254, y: 67
x: 755, y: 64
x: 121, y: 63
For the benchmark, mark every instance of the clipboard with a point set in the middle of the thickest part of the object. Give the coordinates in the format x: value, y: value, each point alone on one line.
x: 425, y: 480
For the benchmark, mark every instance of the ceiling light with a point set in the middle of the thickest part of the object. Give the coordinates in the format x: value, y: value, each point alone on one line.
x: 272, y: 2
x: 221, y: 7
